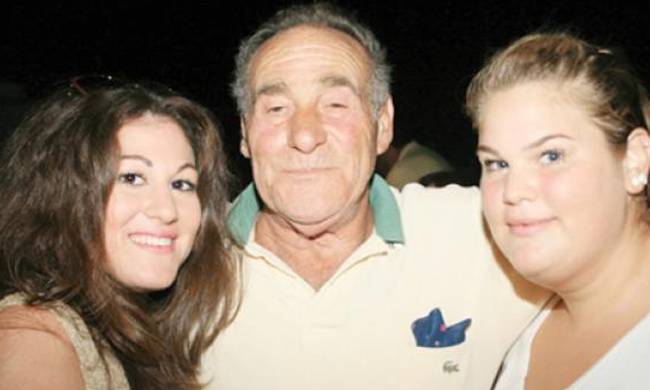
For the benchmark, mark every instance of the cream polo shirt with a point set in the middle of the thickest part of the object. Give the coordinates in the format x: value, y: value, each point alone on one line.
x: 428, y: 251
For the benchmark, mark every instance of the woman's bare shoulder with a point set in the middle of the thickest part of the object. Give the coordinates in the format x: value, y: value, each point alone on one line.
x: 35, y: 352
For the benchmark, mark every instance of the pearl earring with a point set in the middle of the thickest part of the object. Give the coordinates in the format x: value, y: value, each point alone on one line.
x: 639, y: 180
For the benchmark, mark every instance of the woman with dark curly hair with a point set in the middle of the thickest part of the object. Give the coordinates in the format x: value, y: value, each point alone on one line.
x: 114, y: 266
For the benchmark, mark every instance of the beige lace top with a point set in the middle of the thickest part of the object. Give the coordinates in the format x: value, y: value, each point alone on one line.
x: 93, y: 368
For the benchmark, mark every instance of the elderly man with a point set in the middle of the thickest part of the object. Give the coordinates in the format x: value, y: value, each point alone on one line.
x: 347, y: 283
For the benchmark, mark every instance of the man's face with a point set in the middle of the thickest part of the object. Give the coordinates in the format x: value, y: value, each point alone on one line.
x: 310, y: 133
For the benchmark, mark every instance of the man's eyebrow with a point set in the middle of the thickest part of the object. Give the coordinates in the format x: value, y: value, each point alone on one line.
x: 338, y: 81
x: 271, y: 89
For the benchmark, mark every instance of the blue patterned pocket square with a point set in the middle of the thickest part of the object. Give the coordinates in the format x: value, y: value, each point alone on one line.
x: 431, y: 331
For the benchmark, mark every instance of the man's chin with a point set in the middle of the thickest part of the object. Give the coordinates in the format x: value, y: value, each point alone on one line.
x: 312, y: 222
x: 310, y: 218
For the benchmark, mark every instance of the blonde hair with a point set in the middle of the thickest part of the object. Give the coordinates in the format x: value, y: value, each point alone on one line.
x: 601, y: 79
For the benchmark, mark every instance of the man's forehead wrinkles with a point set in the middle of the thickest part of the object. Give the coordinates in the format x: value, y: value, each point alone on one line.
x: 274, y: 61
x: 306, y: 61
x: 310, y: 40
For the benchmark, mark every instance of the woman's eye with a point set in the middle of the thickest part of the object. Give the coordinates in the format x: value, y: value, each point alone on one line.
x: 184, y: 185
x: 494, y: 165
x: 551, y: 156
x: 131, y: 178
x: 276, y: 109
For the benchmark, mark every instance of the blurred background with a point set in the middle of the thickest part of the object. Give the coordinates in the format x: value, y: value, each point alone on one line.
x: 434, y: 47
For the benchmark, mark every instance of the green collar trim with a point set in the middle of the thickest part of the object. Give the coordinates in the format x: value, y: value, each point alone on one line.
x: 242, y: 214
x: 388, y: 221
x: 388, y: 224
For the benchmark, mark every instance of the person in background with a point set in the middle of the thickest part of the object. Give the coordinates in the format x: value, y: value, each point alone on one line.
x: 565, y: 151
x: 114, y: 271
x: 347, y: 283
x: 408, y: 162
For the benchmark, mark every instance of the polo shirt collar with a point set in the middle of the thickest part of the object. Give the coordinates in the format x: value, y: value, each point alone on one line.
x: 388, y: 224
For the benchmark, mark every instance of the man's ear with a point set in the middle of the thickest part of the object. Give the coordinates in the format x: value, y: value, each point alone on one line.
x: 636, y: 163
x: 385, y: 126
x: 244, y: 148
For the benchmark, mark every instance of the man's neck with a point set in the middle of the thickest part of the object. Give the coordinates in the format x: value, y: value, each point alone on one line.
x: 315, y: 254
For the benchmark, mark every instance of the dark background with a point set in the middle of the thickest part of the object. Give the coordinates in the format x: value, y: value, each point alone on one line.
x: 434, y: 47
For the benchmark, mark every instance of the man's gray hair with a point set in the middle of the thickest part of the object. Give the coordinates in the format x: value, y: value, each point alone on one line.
x: 319, y: 15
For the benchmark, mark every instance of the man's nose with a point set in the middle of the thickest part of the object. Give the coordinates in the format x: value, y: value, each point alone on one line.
x: 306, y: 132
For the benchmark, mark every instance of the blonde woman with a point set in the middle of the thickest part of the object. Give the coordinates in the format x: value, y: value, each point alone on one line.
x: 565, y: 151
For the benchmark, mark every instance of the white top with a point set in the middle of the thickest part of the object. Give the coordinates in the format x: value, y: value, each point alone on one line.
x: 625, y: 366
x: 428, y: 251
